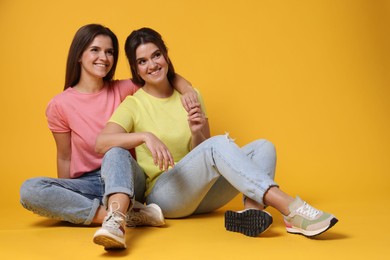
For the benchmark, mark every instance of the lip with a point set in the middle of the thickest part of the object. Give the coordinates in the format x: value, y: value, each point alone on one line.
x: 155, y: 72
x: 101, y: 65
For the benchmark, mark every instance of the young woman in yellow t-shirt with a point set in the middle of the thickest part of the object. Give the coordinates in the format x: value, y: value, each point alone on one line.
x: 188, y: 171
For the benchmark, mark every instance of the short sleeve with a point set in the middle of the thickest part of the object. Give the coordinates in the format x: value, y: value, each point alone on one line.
x: 124, y: 114
x: 56, y: 121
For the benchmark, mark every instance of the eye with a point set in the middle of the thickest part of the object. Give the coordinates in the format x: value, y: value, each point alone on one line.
x: 141, y: 62
x: 110, y: 52
x: 157, y: 55
x: 94, y: 49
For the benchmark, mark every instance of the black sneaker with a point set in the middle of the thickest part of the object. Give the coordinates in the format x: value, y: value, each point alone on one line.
x: 250, y: 222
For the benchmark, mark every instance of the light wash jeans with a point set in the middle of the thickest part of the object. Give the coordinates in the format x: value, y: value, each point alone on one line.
x: 77, y: 200
x: 212, y: 174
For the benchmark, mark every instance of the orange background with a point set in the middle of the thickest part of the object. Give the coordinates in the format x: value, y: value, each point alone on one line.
x: 310, y: 76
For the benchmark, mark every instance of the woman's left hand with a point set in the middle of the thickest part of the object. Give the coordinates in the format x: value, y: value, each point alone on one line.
x: 196, y: 118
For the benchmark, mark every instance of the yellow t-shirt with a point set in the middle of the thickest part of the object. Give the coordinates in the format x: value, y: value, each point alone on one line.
x: 166, y: 118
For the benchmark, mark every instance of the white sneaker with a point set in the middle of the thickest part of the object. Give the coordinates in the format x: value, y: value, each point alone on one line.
x: 112, y: 233
x: 145, y: 215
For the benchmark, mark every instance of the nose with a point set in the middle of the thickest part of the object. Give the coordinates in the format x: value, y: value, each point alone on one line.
x: 153, y: 64
x: 102, y: 55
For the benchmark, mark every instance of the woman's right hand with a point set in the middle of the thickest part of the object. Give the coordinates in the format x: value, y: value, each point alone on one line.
x: 162, y: 157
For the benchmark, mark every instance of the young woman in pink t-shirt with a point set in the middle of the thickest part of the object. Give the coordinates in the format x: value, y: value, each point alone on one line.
x: 83, y: 189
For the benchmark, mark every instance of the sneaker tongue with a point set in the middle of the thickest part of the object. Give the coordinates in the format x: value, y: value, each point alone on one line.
x: 295, y: 204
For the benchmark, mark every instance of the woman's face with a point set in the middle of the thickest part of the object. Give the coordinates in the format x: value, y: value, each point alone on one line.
x: 98, y: 58
x: 151, y: 64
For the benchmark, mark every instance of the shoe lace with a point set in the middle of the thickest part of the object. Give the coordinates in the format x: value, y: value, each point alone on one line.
x: 308, y: 210
x: 114, y: 216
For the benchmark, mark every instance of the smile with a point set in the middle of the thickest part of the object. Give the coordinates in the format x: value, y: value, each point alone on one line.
x: 155, y: 72
x: 101, y: 65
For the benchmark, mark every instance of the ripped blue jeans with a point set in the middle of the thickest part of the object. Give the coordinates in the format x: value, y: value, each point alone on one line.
x: 212, y: 174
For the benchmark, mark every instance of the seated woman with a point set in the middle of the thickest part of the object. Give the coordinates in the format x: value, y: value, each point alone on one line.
x: 187, y: 171
x: 84, y: 188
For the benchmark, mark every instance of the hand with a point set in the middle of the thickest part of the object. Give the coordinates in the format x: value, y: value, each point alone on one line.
x: 162, y: 157
x: 196, y: 118
x: 189, y: 100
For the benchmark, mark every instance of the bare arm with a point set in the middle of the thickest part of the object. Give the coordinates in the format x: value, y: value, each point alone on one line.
x: 113, y: 135
x: 63, y: 154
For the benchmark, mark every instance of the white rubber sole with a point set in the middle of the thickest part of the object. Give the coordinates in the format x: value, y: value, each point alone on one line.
x: 109, y: 241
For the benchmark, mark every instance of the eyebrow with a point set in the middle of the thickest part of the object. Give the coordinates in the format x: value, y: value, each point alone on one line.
x: 153, y: 53
x: 98, y: 47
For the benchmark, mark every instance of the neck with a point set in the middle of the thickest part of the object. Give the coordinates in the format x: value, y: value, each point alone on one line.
x: 90, y: 85
x: 162, y: 90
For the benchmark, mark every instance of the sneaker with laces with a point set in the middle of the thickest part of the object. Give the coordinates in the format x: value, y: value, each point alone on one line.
x: 112, y: 233
x: 145, y: 215
x: 306, y: 220
x: 250, y: 222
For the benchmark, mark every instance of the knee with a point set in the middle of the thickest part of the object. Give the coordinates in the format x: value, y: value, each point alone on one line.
x: 267, y: 146
x: 28, y: 191
x: 117, y: 153
x: 220, y: 140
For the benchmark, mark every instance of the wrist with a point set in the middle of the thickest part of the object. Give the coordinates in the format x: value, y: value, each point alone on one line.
x: 145, y: 136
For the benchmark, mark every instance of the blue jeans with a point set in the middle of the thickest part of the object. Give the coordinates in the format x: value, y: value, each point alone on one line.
x: 77, y: 200
x: 212, y: 174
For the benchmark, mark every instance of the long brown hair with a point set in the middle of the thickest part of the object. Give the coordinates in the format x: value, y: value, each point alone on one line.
x: 142, y: 36
x: 82, y: 39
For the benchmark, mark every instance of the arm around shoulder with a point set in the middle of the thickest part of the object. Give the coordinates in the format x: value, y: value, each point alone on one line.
x: 189, y: 96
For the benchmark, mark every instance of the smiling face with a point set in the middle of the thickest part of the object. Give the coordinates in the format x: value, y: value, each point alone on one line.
x: 98, y: 58
x: 152, y: 66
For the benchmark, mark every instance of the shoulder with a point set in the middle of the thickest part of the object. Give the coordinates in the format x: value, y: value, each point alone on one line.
x: 125, y: 86
x: 129, y: 103
x: 60, y: 98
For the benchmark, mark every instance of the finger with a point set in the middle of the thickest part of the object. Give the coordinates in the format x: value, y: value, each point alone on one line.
x: 166, y: 160
x: 193, y: 116
x: 170, y: 159
x: 192, y: 101
x: 194, y: 111
x: 154, y: 155
x: 187, y: 104
x: 195, y: 104
x: 196, y: 116
x: 194, y: 98
x: 160, y: 159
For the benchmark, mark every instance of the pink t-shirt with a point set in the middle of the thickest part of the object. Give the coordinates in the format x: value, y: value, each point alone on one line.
x: 84, y: 116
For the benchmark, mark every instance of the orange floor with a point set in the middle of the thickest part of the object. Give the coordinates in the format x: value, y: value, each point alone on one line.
x: 361, y: 233
x: 310, y: 76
